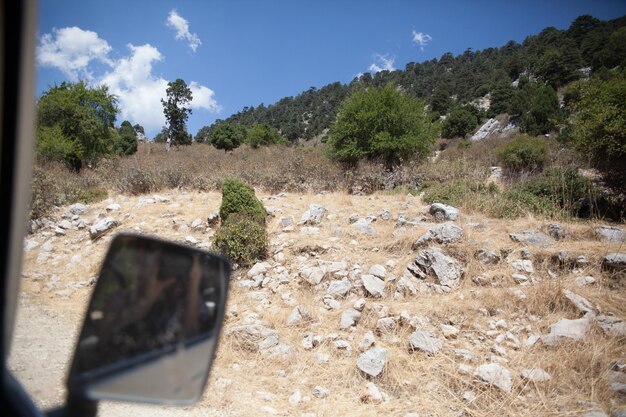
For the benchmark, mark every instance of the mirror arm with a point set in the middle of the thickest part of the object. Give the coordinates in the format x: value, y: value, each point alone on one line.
x: 76, y: 407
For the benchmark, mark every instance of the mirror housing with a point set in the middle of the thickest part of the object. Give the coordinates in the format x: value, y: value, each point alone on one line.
x: 152, y: 325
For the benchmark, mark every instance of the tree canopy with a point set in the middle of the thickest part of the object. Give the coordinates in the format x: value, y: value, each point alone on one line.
x: 381, y: 122
x: 226, y: 136
x: 126, y: 141
x: 176, y: 114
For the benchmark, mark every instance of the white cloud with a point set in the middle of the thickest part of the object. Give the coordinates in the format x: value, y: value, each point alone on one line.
x: 382, y: 63
x: 203, y: 98
x: 421, y: 39
x: 181, y: 25
x: 71, y: 50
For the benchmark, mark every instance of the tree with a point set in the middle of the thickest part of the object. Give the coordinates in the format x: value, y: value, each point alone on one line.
x: 261, y: 134
x: 543, y: 111
x: 202, y: 136
x: 161, y: 137
x: 460, y: 122
x: 176, y: 114
x: 381, y: 122
x: 226, y: 136
x: 77, y: 122
x: 126, y: 141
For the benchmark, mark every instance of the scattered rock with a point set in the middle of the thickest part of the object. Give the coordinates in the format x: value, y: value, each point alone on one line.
x: 78, y: 209
x: 298, y: 315
x: 535, y: 375
x: 311, y: 341
x: 489, y: 127
x: 612, y: 326
x: 558, y: 232
x: 618, y: 387
x: 579, y: 302
x: 339, y: 288
x: 367, y: 341
x: 385, y: 325
x: 313, y: 215
x: 385, y: 215
x: 378, y: 271
x: 523, y: 265
x: 287, y: 221
x: 566, y: 329
x: 359, y: 304
x: 258, y: 269
x: 102, y: 227
x: 495, y: 375
x: 258, y: 338
x: 213, y: 218
x: 373, y: 361
x: 611, y: 234
x: 191, y: 240
x: 449, y: 332
x: 312, y: 274
x: 374, y: 395
x: 447, y: 232
x: 113, y: 207
x: 65, y: 224
x: 425, y: 341
x: 349, y: 318
x: 614, y: 261
x: 585, y: 280
x: 443, y: 211
x: 319, y: 392
x: 330, y: 303
x: 364, y: 227
x: 486, y: 257
x: 481, y: 280
x: 373, y: 285
x: 469, y: 396
x: 295, y: 398
x: 533, y: 238
x: 434, y: 261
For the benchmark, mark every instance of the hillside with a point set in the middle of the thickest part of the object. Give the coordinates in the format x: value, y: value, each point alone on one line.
x: 555, y: 57
x: 440, y: 335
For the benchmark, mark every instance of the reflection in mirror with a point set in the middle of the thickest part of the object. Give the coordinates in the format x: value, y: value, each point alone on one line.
x: 152, y: 325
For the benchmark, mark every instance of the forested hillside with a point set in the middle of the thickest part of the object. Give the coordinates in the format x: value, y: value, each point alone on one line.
x: 551, y: 58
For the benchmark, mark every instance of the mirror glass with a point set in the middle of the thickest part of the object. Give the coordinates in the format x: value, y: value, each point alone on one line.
x: 152, y: 325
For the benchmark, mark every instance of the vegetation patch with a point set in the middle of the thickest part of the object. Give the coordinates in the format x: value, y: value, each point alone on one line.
x: 243, y: 240
x: 238, y: 198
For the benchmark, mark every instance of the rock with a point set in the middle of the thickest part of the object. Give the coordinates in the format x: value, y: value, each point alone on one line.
x: 489, y: 127
x: 469, y: 396
x: 434, y: 261
x: 481, y: 280
x: 30, y: 244
x: 611, y: 234
x: 612, y: 326
x: 258, y: 269
x: 519, y: 294
x: 259, y: 338
x: 449, y: 332
x: 312, y: 274
x: 65, y: 224
x: 343, y: 346
x: 374, y: 395
x: 385, y: 215
x: 566, y: 329
x: 331, y: 304
x: 113, y: 207
x: 443, y: 211
x: 373, y: 361
x: 535, y: 375
x: 373, y: 285
x: 295, y: 398
x: 386, y: 324
x: 533, y: 238
x: 495, y: 375
x: 59, y: 232
x: 367, y: 341
x: 378, y: 271
x: 447, y: 232
x: 359, y: 304
x: 78, y: 209
x: 523, y: 265
x: 425, y: 341
x: 520, y: 278
x: 319, y: 392
x: 339, y: 287
x: 287, y: 221
x: 485, y: 256
x: 364, y: 227
x: 558, y: 232
x: 349, y: 318
x: 213, y: 218
x: 618, y: 387
x: 584, y: 281
x: 331, y: 267
x: 313, y: 215
x: 464, y: 354
x: 298, y: 315
x: 311, y: 341
x: 614, y: 261
x: 309, y: 231
x: 464, y: 369
x: 579, y: 302
x: 102, y: 227
x: 191, y: 240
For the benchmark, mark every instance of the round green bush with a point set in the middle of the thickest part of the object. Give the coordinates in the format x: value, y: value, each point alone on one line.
x: 238, y: 198
x: 242, y: 239
x: 524, y: 153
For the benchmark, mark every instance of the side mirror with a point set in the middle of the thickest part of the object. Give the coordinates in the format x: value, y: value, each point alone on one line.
x: 152, y: 325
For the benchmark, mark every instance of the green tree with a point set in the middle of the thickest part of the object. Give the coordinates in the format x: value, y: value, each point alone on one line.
x: 459, y: 122
x: 261, y: 134
x: 543, y: 112
x: 161, y: 137
x: 126, y: 141
x: 202, y: 136
x: 440, y: 101
x: 381, y: 122
x: 77, y: 122
x: 226, y: 136
x: 176, y: 114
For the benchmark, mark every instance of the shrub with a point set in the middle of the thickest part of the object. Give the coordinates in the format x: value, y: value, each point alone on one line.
x: 460, y: 122
x: 43, y: 194
x: 238, y: 198
x: 242, y: 239
x: 523, y: 154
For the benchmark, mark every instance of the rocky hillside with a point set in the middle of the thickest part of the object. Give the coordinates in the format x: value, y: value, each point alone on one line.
x: 368, y: 305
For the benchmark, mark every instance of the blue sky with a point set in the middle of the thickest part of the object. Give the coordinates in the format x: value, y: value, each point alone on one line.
x: 241, y: 53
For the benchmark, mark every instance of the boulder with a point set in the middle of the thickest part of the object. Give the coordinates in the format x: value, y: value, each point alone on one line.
x: 298, y: 315
x: 447, y: 232
x: 367, y: 341
x: 489, y: 127
x: 102, y: 227
x: 612, y: 326
x: 426, y: 342
x: 378, y: 271
x: 258, y: 269
x: 614, y: 261
x: 485, y: 256
x: 373, y: 361
x: 533, y: 238
x: 495, y: 375
x: 363, y: 226
x: 611, y: 234
x: 566, y: 329
x: 435, y: 262
x: 349, y: 318
x: 558, y: 232
x: 339, y: 287
x: 313, y: 215
x: 78, y: 209
x: 535, y: 375
x: 579, y: 302
x: 373, y: 285
x: 443, y: 211
x: 312, y: 274
x: 286, y: 221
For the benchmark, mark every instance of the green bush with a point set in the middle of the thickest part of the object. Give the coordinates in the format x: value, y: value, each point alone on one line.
x: 238, y: 198
x: 523, y: 154
x: 460, y: 122
x: 242, y: 239
x: 91, y: 195
x: 44, y: 194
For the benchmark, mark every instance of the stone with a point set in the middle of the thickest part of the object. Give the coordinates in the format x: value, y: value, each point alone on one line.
x: 434, y: 261
x: 102, y: 227
x: 481, y: 280
x: 339, y: 288
x: 295, y: 398
x: 349, y: 318
x: 367, y: 341
x: 581, y: 303
x: 464, y: 354
x: 287, y: 221
x: 309, y: 231
x: 610, y: 234
x: 486, y: 257
x: 311, y: 341
x: 312, y: 274
x: 374, y: 395
x: 213, y: 218
x: 520, y: 278
x: 386, y: 324
x: 464, y: 369
x: 443, y: 211
x: 113, y: 207
x: 331, y: 304
x: 385, y: 215
x: 373, y: 285
x: 191, y: 240
x: 535, y: 375
x: 373, y: 361
x: 313, y: 215
x: 533, y: 238
x: 332, y: 267
x: 469, y: 396
x: 489, y: 127
x: 449, y: 332
x: 426, y: 342
x: 443, y: 233
x: 558, y: 232
x: 378, y: 271
x: 523, y: 265
x: 65, y: 224
x: 618, y: 387
x: 319, y: 392
x: 614, y: 261
x: 611, y: 325
x: 298, y: 315
x: 363, y: 226
x: 78, y: 209
x: 584, y: 280
x: 259, y: 338
x: 359, y: 304
x: 258, y: 269
x: 495, y: 375
x: 568, y: 330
